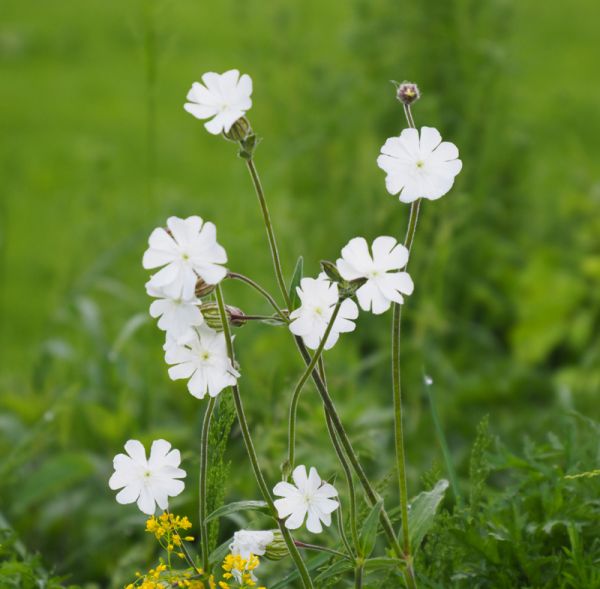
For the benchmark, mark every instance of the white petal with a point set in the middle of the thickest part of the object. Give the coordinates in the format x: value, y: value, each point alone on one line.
x: 430, y: 139
x: 129, y: 494
x: 136, y: 450
x: 300, y: 478
x: 145, y: 502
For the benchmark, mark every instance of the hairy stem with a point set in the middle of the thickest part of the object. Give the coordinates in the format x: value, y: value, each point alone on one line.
x: 260, y: 479
x: 370, y: 492
x: 261, y: 290
x: 203, y: 480
x: 305, y: 376
x: 397, y: 394
x: 269, y: 228
x: 347, y: 472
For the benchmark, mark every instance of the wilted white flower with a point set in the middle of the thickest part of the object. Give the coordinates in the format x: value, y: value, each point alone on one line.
x: 188, y: 249
x: 247, y: 542
x: 202, y: 358
x: 385, y: 283
x: 175, y: 315
x: 419, y: 166
x: 309, y: 498
x: 318, y: 297
x: 148, y: 481
x: 225, y: 97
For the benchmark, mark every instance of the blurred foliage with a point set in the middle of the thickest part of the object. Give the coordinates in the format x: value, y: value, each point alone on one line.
x: 505, y: 317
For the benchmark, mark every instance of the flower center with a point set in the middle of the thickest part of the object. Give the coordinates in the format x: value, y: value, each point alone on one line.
x: 319, y: 311
x: 185, y: 256
x: 420, y: 163
x: 147, y: 474
x: 204, y: 355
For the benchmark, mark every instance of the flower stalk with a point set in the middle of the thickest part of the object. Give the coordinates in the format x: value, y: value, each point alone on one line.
x: 296, y: 395
x: 203, y: 482
x: 241, y: 415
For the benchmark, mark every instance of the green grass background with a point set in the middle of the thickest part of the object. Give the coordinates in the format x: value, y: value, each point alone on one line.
x: 96, y: 150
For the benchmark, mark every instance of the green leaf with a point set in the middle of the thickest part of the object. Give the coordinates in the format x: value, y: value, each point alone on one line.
x: 337, y: 568
x: 422, y: 513
x: 311, y: 565
x: 368, y: 532
x: 235, y: 507
x: 217, y: 556
x: 296, y: 278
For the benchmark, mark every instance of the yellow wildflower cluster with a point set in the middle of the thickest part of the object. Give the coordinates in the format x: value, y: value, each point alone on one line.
x: 163, y: 577
x: 239, y: 570
x: 166, y: 528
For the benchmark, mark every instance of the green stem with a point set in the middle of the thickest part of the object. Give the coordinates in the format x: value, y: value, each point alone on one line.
x: 301, y: 382
x: 349, y: 480
x: 203, y: 481
x: 442, y: 440
x: 358, y: 575
x: 261, y: 290
x: 321, y: 549
x: 260, y: 479
x: 397, y: 394
x: 269, y: 228
x: 370, y: 492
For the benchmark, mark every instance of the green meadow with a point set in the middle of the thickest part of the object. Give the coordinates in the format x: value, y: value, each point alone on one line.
x: 97, y: 150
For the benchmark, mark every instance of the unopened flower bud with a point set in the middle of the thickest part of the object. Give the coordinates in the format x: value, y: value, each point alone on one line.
x: 212, y: 316
x: 331, y: 270
x: 277, y: 549
x: 239, y: 130
x: 407, y: 93
x: 203, y: 289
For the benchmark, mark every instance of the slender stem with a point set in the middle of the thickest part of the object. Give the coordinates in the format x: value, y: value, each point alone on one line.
x: 358, y: 575
x: 397, y: 393
x: 349, y: 480
x: 260, y: 479
x: 301, y: 382
x: 269, y: 228
x: 428, y: 386
x: 203, y: 480
x: 370, y: 492
x: 256, y: 318
x: 321, y: 549
x: 261, y: 290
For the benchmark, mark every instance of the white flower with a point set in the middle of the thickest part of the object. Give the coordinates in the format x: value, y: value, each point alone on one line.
x: 319, y: 296
x: 419, y: 166
x: 175, y: 315
x: 202, y: 358
x: 226, y: 97
x: 309, y: 496
x: 247, y: 542
x: 147, y: 481
x: 385, y: 283
x: 187, y: 250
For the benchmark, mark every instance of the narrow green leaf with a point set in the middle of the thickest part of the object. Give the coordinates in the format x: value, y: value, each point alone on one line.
x: 337, y: 568
x: 422, y: 513
x: 219, y: 553
x: 296, y: 278
x: 311, y: 565
x: 368, y: 532
x: 235, y: 507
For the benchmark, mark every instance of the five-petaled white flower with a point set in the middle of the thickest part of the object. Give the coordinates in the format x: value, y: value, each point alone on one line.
x: 385, y: 283
x: 202, y: 358
x: 318, y: 297
x: 309, y: 496
x: 175, y: 315
x: 187, y: 249
x: 247, y: 542
x: 148, y: 481
x: 226, y: 97
x: 418, y: 167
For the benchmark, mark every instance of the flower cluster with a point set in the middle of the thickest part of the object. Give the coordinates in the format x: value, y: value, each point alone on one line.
x: 189, y: 264
x: 166, y: 529
x: 239, y: 572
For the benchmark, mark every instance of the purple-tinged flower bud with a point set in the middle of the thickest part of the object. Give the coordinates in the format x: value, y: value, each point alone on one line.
x: 407, y: 93
x: 212, y: 316
x: 239, y: 130
x: 203, y: 289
